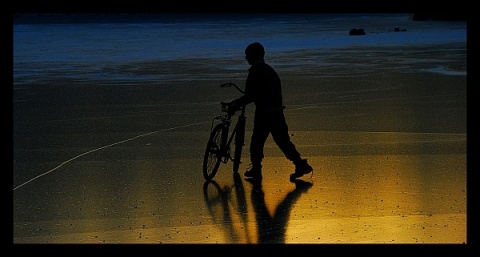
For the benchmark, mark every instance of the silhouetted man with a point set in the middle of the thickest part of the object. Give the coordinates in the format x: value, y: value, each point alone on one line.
x: 263, y: 88
x: 272, y: 227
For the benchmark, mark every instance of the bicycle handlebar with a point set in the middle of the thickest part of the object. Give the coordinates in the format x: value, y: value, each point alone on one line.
x: 229, y: 84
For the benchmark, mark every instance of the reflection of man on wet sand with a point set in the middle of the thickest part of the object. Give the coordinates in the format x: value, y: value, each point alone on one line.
x: 271, y: 228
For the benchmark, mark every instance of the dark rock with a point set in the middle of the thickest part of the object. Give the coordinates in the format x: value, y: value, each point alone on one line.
x: 356, y: 32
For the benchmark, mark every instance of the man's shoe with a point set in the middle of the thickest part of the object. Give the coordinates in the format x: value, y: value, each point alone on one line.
x: 254, y: 172
x: 301, y: 169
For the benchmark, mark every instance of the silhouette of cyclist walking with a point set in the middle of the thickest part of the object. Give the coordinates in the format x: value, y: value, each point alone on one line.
x: 263, y: 88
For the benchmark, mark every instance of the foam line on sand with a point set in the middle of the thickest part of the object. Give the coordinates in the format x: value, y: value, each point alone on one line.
x: 103, y: 147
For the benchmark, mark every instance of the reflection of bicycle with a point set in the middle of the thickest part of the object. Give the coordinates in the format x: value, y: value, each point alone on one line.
x: 218, y: 146
x: 227, y: 206
x: 227, y: 210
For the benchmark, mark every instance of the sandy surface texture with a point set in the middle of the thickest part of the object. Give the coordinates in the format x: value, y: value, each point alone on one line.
x: 98, y: 162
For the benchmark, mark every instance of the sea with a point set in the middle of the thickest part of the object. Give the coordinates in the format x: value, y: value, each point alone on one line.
x: 128, y: 47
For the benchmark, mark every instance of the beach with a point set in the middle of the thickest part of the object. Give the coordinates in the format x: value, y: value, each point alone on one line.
x: 114, y: 159
x: 124, y: 167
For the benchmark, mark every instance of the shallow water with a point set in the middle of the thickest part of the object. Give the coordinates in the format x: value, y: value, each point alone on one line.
x: 156, y: 48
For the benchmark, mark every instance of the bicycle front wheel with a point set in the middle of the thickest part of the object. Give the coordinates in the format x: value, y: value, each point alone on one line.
x: 213, y: 152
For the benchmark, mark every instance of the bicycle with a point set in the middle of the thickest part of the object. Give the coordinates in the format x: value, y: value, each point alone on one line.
x: 218, y: 148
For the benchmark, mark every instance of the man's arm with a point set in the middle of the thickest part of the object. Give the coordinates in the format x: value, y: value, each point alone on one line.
x: 243, y: 100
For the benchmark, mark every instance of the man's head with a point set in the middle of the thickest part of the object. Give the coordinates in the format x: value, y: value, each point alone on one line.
x: 253, y: 52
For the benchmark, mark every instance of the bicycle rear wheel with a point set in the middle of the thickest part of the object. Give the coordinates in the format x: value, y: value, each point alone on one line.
x: 239, y: 142
x: 214, y: 152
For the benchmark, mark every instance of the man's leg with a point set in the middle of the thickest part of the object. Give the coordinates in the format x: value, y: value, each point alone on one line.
x: 282, y: 139
x: 257, y: 142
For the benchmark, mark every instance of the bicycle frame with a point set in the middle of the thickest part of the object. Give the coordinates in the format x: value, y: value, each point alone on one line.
x: 239, y: 128
x: 218, y: 146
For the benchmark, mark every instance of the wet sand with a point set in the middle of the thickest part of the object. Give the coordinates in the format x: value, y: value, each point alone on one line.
x: 121, y: 164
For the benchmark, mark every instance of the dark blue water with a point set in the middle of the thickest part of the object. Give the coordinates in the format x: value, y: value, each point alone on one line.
x: 85, y: 47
